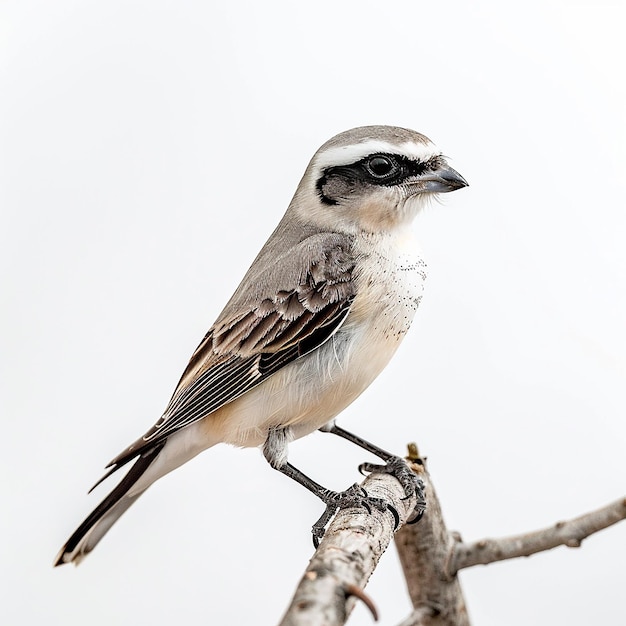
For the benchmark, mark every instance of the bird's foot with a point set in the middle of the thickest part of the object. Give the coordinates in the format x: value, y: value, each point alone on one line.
x: 353, y: 497
x: 411, y: 483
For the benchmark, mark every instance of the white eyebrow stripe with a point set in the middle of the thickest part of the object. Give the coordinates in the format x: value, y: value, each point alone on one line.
x: 345, y: 155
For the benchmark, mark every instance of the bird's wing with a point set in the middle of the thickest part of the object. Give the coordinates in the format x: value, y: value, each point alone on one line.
x: 278, y: 314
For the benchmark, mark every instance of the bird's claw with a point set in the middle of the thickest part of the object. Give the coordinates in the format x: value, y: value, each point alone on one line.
x: 396, y: 516
x: 412, y: 484
x: 354, y: 496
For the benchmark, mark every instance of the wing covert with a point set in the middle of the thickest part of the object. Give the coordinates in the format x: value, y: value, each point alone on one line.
x: 266, y: 325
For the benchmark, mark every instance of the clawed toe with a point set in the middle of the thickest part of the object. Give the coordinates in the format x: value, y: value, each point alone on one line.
x: 412, y: 484
x: 397, y: 467
x: 317, y: 534
x: 417, y: 518
x: 354, y: 496
x: 396, y: 516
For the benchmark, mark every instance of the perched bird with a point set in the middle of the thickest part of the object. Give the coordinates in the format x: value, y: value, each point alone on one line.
x: 316, y: 318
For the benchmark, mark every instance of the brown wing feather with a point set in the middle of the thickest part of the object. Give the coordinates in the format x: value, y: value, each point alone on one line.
x: 249, y: 343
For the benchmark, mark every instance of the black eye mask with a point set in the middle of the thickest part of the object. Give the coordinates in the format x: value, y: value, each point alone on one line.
x: 384, y: 170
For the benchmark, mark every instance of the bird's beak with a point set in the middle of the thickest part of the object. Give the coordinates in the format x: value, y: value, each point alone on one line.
x: 442, y: 179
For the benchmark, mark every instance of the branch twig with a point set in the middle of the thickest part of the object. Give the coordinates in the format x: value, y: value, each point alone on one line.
x: 570, y: 533
x: 346, y: 558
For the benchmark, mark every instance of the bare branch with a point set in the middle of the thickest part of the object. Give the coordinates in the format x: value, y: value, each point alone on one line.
x: 346, y: 558
x: 430, y: 555
x: 424, y: 551
x: 570, y: 533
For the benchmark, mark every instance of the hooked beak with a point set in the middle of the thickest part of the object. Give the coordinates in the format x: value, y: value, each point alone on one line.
x: 441, y: 179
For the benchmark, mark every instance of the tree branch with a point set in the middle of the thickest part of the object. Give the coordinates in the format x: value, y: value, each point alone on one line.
x: 430, y: 555
x: 424, y: 551
x: 346, y: 558
x: 570, y: 533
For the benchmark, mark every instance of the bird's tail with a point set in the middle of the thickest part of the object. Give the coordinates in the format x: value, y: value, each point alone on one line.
x: 150, y: 465
x: 88, y: 534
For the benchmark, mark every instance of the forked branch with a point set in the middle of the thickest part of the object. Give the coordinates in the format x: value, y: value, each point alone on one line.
x: 346, y: 558
x: 430, y: 555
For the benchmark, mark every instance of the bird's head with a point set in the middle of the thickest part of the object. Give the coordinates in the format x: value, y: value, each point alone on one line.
x: 373, y: 178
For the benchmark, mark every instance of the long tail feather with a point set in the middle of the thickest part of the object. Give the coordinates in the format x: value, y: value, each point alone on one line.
x: 89, y: 533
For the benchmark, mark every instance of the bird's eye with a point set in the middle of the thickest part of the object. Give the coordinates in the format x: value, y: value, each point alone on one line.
x: 381, y: 166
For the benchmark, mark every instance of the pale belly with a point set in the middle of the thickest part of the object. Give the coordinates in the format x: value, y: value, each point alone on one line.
x: 309, y: 392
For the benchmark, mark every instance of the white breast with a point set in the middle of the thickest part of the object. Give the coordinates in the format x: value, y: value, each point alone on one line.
x: 390, y: 280
x: 311, y: 391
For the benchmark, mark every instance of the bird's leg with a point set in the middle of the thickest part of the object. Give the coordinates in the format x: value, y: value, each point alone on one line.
x: 394, y: 465
x: 362, y: 443
x: 275, y: 451
x: 354, y: 496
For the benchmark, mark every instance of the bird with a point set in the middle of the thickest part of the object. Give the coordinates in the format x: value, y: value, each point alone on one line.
x: 318, y: 315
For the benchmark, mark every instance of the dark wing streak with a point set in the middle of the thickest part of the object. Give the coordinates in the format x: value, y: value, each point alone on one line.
x: 268, y: 326
x: 188, y: 393
x: 210, y: 397
x: 283, y: 336
x: 205, y: 396
x: 171, y: 423
x: 252, y: 340
x: 209, y: 381
x: 198, y: 403
x: 299, y: 332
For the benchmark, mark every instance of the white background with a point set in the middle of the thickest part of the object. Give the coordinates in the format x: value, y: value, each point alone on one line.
x: 148, y: 149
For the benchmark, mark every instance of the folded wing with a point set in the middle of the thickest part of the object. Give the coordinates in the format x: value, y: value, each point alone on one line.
x: 274, y: 317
